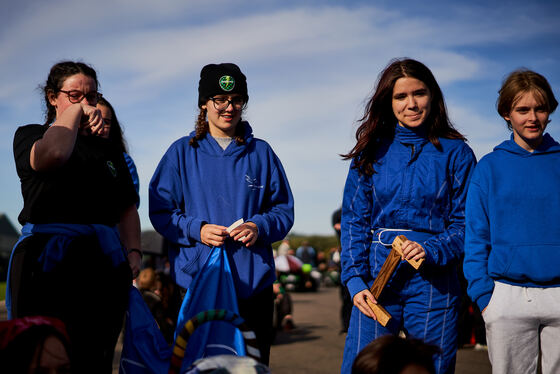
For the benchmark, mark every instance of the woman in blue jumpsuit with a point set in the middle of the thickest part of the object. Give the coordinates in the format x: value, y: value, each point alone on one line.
x: 409, y: 176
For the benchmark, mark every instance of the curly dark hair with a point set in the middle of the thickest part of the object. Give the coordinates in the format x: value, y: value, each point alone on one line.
x: 379, y: 120
x: 58, y: 74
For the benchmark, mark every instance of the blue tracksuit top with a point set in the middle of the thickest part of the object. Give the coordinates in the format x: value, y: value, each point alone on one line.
x: 415, y: 187
x: 192, y: 185
x: 513, y: 215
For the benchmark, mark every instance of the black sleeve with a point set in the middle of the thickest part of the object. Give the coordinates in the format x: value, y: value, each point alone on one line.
x: 24, y: 139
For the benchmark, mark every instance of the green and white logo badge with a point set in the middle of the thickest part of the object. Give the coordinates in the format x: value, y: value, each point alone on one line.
x: 227, y: 83
x: 112, y: 168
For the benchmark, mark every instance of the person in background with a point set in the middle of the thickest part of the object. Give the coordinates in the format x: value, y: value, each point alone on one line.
x: 171, y: 299
x: 283, y: 304
x: 512, y: 245
x: 307, y: 254
x: 409, y: 175
x: 336, y: 220
x: 283, y: 248
x: 392, y: 354
x: 322, y: 263
x: 346, y: 307
x: 80, y: 243
x: 210, y: 179
x: 148, y: 285
x: 112, y: 130
x: 34, y: 345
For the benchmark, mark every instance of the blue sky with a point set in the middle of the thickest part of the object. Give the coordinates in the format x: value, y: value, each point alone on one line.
x: 310, y: 66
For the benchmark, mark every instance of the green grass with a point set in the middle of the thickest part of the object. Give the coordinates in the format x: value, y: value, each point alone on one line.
x: 2, y: 290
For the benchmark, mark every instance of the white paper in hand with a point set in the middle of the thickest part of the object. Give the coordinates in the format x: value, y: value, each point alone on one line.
x: 234, y: 225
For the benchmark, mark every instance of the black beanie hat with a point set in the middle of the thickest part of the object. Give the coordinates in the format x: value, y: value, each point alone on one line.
x: 221, y: 79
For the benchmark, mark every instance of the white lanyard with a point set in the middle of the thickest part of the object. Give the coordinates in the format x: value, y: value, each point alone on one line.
x: 381, y: 231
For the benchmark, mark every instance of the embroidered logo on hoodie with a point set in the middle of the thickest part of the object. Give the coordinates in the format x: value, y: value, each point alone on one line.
x: 253, y: 183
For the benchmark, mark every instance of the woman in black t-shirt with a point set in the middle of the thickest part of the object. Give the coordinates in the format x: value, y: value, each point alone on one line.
x: 81, y: 232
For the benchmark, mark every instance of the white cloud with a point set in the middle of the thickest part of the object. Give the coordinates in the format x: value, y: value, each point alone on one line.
x: 310, y: 69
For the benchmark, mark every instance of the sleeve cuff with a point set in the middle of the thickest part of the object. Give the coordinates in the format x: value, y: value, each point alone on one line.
x: 194, y: 229
x: 431, y: 255
x: 261, y: 225
x: 355, y: 285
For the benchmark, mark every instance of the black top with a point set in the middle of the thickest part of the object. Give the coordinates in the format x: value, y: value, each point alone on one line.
x: 94, y: 186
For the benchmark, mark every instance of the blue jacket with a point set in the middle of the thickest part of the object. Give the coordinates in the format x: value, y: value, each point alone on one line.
x: 415, y: 187
x: 513, y: 215
x: 192, y: 185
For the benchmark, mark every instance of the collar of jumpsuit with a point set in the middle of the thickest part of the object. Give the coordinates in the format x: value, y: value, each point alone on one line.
x: 410, y: 136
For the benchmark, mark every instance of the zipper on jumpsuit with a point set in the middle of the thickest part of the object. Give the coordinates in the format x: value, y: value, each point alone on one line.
x: 405, y: 194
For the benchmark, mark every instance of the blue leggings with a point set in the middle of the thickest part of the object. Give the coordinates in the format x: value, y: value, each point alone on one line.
x: 424, y: 307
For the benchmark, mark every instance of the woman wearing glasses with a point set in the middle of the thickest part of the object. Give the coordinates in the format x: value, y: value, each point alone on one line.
x: 217, y: 175
x: 81, y: 231
x: 409, y: 175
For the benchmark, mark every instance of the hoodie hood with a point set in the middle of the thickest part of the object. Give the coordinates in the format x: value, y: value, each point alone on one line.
x: 548, y: 145
x: 210, y: 146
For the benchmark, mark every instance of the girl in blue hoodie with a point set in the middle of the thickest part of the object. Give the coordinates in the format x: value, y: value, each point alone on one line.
x: 512, y: 245
x: 409, y: 175
x: 212, y: 178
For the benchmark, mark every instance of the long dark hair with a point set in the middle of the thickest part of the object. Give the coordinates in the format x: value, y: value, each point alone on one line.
x: 58, y: 74
x: 379, y: 120
x: 116, y: 132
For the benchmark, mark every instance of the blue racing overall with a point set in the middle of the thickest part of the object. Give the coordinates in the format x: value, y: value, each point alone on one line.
x: 417, y: 190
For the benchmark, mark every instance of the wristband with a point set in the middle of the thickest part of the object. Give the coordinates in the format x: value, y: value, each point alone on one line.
x: 135, y: 250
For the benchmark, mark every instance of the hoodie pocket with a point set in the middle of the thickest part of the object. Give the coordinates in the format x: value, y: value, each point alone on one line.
x: 537, y: 263
x: 193, y: 258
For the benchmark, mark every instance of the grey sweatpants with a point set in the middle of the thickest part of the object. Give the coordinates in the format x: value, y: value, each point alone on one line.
x: 519, y: 322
